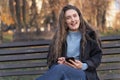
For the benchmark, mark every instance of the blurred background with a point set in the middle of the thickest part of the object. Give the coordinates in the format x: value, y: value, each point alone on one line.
x: 24, y: 20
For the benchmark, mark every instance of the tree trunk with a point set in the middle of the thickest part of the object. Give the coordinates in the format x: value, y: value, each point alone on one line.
x: 24, y: 14
x: 1, y: 36
x: 12, y: 11
x: 18, y: 15
x: 33, y: 20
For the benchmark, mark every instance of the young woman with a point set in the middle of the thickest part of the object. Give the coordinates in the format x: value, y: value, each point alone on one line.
x: 73, y: 38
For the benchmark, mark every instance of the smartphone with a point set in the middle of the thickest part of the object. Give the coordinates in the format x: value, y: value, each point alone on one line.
x: 70, y: 58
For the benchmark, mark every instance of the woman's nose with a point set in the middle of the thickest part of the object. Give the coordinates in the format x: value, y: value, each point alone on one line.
x: 72, y: 18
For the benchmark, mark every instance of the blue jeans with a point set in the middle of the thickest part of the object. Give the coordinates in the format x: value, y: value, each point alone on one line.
x: 63, y: 72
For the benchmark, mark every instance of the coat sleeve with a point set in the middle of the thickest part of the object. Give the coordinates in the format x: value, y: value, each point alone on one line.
x: 95, y: 56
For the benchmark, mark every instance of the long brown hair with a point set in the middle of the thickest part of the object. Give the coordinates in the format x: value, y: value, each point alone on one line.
x: 59, y: 38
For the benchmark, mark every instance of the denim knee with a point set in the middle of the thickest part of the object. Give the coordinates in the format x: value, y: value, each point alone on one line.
x: 60, y: 67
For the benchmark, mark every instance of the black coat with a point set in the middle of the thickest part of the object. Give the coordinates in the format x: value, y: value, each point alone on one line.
x: 92, y: 56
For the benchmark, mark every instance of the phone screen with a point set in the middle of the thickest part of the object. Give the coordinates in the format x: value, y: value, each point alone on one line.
x: 69, y: 58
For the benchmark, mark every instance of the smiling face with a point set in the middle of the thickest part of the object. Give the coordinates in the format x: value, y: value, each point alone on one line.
x: 72, y: 19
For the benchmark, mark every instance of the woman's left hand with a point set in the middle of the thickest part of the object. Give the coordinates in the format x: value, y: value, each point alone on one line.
x: 75, y: 64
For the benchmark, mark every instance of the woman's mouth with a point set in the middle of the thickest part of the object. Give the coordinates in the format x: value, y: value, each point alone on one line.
x: 73, y: 24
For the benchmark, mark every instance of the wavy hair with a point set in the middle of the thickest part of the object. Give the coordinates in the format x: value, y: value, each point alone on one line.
x: 59, y: 38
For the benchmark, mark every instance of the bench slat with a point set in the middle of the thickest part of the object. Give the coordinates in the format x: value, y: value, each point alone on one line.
x: 23, y: 65
x: 20, y: 73
x: 24, y: 44
x: 23, y: 57
x: 111, y: 45
x: 111, y: 51
x: 23, y: 51
x: 110, y: 77
x: 110, y: 38
x: 108, y: 67
x: 113, y: 59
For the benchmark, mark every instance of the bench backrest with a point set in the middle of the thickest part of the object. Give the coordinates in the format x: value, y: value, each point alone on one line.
x: 110, y: 66
x: 29, y: 58
x: 23, y: 58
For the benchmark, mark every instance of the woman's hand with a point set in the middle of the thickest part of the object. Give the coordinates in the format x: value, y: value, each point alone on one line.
x: 75, y: 64
x: 61, y: 60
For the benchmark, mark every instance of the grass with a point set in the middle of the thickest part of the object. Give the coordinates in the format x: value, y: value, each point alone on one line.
x: 7, y: 37
x: 110, y: 32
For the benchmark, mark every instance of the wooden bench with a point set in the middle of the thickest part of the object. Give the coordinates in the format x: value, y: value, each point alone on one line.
x: 29, y: 58
x: 110, y: 67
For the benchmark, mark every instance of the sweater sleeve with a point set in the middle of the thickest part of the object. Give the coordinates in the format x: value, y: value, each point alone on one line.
x: 84, y: 66
x: 96, y: 55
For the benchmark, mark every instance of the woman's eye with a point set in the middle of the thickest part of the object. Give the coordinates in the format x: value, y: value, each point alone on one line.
x: 67, y: 17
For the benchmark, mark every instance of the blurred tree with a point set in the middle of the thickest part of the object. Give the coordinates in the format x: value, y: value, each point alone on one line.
x: 117, y: 22
x: 15, y: 12
x: 55, y: 6
x: 24, y: 10
x: 34, y: 15
x: 25, y: 15
x: 12, y: 9
x: 1, y: 36
x: 97, y: 12
x: 18, y: 9
x: 77, y: 3
x: 3, y: 9
x: 18, y: 15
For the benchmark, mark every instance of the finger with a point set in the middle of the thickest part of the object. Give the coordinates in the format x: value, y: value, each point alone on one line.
x: 73, y: 62
x: 77, y: 61
x: 61, y: 58
x: 59, y: 62
x: 77, y: 64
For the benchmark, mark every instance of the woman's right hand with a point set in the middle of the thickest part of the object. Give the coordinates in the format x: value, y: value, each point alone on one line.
x: 61, y: 60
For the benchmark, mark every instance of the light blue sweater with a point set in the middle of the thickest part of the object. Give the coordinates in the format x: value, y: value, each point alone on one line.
x: 73, y: 46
